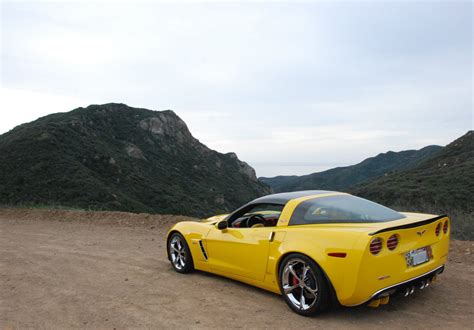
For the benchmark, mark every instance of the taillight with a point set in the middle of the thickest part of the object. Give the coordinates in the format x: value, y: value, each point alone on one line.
x: 438, y: 229
x: 445, y: 227
x: 376, y: 246
x: 392, y: 242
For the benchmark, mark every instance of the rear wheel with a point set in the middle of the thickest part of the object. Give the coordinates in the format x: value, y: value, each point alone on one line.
x: 303, y: 285
x: 179, y: 254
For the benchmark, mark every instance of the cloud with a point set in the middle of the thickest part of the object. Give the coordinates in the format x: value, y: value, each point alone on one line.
x: 310, y: 83
x: 20, y: 106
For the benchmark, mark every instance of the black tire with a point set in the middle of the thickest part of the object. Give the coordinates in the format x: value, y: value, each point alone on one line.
x: 179, y: 254
x: 315, y: 288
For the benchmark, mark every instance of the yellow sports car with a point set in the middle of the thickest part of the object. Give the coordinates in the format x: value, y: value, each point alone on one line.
x: 316, y: 247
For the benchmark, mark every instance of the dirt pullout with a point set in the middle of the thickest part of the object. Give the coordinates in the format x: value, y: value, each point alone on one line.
x: 65, y: 269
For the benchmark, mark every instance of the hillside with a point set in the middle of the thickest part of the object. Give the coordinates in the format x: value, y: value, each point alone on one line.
x: 444, y: 182
x: 114, y: 157
x: 342, y: 178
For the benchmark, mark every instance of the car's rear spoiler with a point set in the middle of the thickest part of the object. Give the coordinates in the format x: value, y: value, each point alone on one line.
x: 409, y: 225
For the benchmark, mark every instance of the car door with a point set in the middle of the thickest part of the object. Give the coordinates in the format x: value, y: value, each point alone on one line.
x: 239, y: 251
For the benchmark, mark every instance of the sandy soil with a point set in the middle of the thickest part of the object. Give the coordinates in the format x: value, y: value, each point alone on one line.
x: 66, y: 269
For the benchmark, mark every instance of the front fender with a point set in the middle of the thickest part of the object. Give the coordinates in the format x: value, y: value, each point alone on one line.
x: 194, y: 233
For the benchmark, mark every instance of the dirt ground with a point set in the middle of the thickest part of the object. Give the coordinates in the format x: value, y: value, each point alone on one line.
x: 72, y: 269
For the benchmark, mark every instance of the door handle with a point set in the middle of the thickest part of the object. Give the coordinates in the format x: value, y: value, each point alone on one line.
x: 271, y: 236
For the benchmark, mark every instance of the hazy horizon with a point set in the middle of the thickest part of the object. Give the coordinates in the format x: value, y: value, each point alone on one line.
x: 291, y: 88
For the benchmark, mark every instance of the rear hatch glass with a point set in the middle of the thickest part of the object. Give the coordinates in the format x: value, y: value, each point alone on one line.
x: 342, y: 209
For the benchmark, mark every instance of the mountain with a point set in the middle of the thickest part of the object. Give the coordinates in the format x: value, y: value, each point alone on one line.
x: 443, y: 182
x: 342, y: 178
x: 115, y: 157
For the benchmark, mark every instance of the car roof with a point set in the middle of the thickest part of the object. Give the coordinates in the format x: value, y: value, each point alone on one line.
x: 283, y: 198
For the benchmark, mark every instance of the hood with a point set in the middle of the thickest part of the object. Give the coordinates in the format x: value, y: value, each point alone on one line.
x: 215, y: 218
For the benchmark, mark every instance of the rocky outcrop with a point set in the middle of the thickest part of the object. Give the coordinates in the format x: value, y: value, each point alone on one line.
x: 244, y: 168
x: 167, y: 123
x: 134, y: 152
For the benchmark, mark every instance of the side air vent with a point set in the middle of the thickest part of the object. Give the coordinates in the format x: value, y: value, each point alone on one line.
x: 203, y: 250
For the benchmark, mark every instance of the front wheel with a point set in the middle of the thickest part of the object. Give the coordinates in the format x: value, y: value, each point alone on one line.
x: 303, y: 285
x: 179, y: 254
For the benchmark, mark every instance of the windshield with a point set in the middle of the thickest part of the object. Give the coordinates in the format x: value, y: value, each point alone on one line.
x: 341, y: 208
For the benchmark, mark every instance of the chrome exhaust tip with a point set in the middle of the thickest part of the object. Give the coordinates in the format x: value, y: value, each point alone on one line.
x: 407, y: 292
x: 412, y: 290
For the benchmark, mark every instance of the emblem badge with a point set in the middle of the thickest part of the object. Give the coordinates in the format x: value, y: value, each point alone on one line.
x: 420, y: 233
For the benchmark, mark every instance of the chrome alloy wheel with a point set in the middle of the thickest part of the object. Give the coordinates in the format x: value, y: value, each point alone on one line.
x: 299, y: 284
x: 177, y: 253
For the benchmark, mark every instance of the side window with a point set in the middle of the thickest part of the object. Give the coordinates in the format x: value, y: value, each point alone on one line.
x: 256, y: 215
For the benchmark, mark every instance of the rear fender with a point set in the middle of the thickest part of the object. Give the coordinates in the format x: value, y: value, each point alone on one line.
x: 317, y: 244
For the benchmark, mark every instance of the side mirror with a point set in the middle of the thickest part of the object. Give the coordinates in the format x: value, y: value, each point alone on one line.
x: 221, y: 225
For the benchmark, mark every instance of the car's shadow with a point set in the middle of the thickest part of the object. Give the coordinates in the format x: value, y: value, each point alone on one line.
x: 397, y: 303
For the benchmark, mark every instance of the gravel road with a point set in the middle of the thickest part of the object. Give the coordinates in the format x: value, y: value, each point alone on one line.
x: 73, y: 269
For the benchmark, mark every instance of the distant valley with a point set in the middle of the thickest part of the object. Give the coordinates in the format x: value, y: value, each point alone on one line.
x: 434, y: 176
x: 343, y: 178
x: 442, y: 182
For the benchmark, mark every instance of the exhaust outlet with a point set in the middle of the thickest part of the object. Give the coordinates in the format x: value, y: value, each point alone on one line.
x: 407, y: 292
x: 423, y: 285
x: 374, y: 303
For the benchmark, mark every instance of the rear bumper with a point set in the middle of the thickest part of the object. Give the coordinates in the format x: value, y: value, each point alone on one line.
x: 415, y: 282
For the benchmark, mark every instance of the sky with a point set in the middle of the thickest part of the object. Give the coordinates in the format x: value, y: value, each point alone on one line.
x: 291, y: 87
